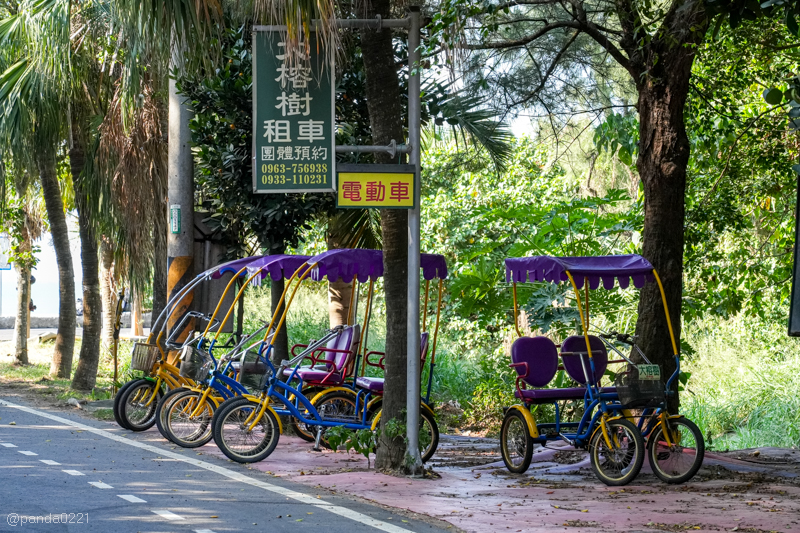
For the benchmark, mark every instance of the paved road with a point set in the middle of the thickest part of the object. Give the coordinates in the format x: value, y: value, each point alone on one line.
x: 103, y: 479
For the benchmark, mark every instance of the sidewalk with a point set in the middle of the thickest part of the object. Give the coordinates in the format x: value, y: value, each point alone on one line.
x: 735, y: 491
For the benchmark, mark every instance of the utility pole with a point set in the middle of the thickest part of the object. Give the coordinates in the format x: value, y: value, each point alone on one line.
x: 180, y: 236
x: 414, y: 119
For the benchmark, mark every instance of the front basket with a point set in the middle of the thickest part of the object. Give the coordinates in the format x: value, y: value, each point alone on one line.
x: 144, y: 356
x: 637, y: 393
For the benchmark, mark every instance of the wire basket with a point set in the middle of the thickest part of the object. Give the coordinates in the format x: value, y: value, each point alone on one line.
x: 253, y: 371
x: 144, y: 356
x: 195, y: 363
x: 637, y: 391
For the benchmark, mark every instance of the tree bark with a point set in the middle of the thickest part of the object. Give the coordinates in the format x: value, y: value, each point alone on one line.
x: 663, y: 158
x: 281, y: 342
x: 107, y: 293
x: 386, y: 123
x: 89, y: 357
x: 23, y: 301
x: 339, y: 293
x: 61, y: 365
x: 136, y: 313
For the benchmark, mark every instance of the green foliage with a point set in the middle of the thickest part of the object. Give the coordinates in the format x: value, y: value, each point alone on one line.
x: 361, y: 441
x: 743, y: 383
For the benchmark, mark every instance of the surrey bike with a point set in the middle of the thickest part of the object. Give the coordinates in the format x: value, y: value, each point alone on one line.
x: 248, y: 429
x: 615, y: 445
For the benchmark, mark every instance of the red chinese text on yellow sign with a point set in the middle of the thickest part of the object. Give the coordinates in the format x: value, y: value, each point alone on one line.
x: 376, y: 190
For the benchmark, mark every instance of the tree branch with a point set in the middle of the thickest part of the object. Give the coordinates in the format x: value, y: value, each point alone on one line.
x: 550, y: 69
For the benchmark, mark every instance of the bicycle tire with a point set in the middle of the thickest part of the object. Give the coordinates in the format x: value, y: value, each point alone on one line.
x: 118, y: 402
x: 199, y: 428
x: 516, y: 441
x: 229, y: 424
x: 139, y: 417
x: 666, y: 462
x: 161, y: 422
x: 617, y: 467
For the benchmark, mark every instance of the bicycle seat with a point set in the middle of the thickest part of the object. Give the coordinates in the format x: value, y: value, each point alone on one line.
x: 573, y: 349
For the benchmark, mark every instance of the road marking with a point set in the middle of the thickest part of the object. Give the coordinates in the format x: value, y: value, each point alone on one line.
x: 49, y: 462
x: 230, y: 474
x: 169, y: 515
x: 100, y: 485
x: 203, y: 531
x: 131, y: 498
x: 27, y: 453
x: 7, y: 445
x: 74, y: 473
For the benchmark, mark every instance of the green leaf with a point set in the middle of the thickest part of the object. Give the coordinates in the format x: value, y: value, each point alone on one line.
x: 625, y: 156
x: 772, y: 96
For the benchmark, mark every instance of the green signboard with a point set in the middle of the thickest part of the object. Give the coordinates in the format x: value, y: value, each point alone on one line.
x: 293, y: 124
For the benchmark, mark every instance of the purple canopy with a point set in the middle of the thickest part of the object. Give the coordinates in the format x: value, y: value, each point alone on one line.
x: 232, y: 266
x: 605, y: 268
x: 347, y: 263
x: 276, y: 266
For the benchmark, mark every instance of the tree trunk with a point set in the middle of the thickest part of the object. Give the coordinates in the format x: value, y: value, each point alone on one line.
x: 339, y: 293
x: 23, y: 301
x: 386, y: 123
x: 89, y: 357
x: 662, y: 162
x: 107, y: 292
x: 61, y: 365
x: 281, y: 342
x: 136, y: 313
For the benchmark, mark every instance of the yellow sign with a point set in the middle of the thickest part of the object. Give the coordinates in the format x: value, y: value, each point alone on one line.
x: 380, y: 190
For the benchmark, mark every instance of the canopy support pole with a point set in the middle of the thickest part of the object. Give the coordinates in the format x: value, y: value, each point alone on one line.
x: 413, y: 355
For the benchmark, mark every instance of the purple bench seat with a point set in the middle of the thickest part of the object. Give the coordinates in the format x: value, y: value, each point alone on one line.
x: 552, y: 395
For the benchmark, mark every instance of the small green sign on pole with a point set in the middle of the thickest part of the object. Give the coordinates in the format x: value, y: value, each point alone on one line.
x: 175, y: 218
x: 293, y: 116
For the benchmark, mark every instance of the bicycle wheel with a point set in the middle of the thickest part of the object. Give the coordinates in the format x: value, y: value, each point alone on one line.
x: 428, y: 435
x: 679, y: 462
x: 336, y: 406
x: 162, y: 407
x: 184, y: 427
x: 301, y: 429
x: 619, y: 463
x: 233, y: 436
x: 118, y: 402
x: 516, y: 443
x: 138, y: 407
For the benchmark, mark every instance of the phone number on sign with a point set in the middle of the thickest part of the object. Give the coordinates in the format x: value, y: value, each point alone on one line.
x: 15, y: 519
x: 297, y: 179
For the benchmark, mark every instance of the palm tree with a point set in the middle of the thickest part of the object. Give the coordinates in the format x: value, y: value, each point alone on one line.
x: 34, y: 91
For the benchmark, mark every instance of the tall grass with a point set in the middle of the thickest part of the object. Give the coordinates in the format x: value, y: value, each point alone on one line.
x: 744, y: 389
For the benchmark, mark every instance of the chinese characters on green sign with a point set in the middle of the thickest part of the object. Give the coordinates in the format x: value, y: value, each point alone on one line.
x: 293, y: 124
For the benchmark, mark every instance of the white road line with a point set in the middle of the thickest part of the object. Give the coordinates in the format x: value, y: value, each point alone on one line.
x: 169, y: 515
x: 7, y: 445
x: 131, y: 498
x: 49, y: 462
x: 100, y: 485
x: 203, y: 531
x: 230, y: 474
x: 74, y: 473
x: 27, y: 453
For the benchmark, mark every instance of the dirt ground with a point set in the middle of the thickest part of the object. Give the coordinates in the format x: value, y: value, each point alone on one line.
x: 754, y: 491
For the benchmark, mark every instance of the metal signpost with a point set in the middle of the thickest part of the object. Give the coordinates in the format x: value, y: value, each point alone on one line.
x: 294, y: 151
